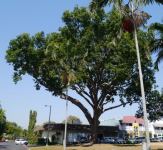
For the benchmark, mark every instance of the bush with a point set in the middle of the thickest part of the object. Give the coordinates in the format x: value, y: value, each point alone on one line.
x: 41, y: 141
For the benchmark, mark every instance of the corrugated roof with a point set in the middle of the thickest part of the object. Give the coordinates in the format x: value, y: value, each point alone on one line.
x: 132, y: 119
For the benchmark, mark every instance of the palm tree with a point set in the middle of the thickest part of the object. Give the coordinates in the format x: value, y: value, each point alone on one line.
x: 158, y: 43
x: 102, y: 3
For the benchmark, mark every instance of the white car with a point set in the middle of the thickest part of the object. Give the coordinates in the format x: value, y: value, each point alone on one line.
x: 21, y: 141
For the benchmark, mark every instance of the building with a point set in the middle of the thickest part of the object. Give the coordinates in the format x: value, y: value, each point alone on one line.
x: 75, y: 132
x: 132, y: 126
x: 156, y: 128
x: 128, y: 126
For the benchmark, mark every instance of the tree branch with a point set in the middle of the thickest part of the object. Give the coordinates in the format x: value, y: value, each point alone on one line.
x: 80, y: 92
x: 115, y: 106
x: 79, y: 104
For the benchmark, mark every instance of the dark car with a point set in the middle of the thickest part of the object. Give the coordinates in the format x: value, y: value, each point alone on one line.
x: 110, y: 140
x: 139, y: 140
x: 120, y: 141
x: 83, y: 140
x: 156, y: 139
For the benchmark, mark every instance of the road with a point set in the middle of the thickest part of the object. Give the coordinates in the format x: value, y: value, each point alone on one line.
x: 11, y: 146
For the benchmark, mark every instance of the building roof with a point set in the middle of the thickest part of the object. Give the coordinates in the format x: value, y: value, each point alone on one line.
x: 158, y: 125
x: 132, y: 119
x: 38, y: 128
x: 110, y: 122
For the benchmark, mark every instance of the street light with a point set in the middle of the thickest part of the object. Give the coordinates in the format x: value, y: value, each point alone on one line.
x: 48, y: 123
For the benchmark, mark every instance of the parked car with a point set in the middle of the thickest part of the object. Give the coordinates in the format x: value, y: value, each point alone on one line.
x: 6, y: 140
x: 156, y: 139
x: 139, y: 139
x: 83, y: 140
x: 21, y: 141
x: 120, y: 141
x: 110, y: 140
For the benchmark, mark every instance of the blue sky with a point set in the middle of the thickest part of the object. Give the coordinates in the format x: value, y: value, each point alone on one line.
x: 32, y: 16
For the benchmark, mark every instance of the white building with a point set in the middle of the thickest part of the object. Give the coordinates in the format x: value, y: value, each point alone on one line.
x: 131, y: 126
x: 156, y: 128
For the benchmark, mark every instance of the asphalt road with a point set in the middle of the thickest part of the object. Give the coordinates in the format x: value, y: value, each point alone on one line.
x: 11, y: 146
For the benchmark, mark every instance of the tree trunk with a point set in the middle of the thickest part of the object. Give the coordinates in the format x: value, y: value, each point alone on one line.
x: 94, y: 129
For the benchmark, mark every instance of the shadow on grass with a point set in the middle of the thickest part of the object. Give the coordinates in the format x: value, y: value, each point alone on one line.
x: 82, y: 145
x: 126, y: 145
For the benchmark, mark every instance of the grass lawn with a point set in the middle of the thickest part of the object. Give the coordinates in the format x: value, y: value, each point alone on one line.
x: 155, y: 146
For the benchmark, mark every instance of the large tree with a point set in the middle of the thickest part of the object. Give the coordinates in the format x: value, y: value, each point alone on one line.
x: 88, y: 55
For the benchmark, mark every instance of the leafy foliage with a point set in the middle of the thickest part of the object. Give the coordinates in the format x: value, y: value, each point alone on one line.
x: 2, y: 121
x: 154, y: 106
x: 14, y: 131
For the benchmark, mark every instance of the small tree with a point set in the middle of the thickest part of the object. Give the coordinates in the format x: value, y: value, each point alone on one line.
x: 13, y: 130
x: 73, y: 120
x: 32, y: 137
x: 2, y: 122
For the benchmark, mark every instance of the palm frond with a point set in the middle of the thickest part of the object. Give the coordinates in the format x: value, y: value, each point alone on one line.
x: 102, y: 3
x: 158, y: 43
x: 147, y: 2
x: 159, y: 58
x: 159, y: 1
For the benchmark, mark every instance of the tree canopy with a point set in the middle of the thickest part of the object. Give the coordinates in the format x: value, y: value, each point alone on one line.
x: 89, y: 55
x: 13, y: 131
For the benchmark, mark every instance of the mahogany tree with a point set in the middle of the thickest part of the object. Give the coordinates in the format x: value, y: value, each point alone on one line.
x: 88, y: 55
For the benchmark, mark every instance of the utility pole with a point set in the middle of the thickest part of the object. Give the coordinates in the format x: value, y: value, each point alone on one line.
x: 147, y: 142
x: 65, y: 135
x: 66, y: 82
